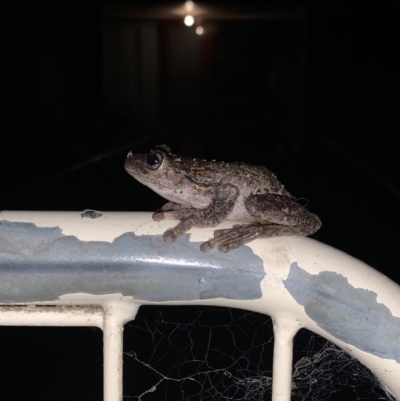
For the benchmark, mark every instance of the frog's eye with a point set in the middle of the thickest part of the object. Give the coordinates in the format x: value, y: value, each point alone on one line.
x: 154, y: 160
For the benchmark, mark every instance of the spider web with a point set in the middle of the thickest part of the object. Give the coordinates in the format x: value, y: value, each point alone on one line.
x: 204, y: 354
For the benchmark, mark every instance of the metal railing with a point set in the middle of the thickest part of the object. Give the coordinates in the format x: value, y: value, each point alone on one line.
x: 97, y: 269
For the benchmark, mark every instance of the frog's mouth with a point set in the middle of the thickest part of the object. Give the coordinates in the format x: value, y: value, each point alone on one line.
x: 134, y: 162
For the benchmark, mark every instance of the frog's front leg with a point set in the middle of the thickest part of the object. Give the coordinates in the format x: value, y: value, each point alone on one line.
x: 274, y: 216
x: 172, y: 206
x: 222, y: 203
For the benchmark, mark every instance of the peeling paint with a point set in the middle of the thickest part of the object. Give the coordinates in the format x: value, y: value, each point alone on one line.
x: 353, y: 315
x: 41, y: 264
x: 91, y: 214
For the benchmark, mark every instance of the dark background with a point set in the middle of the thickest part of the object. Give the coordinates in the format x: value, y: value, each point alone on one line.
x: 309, y: 90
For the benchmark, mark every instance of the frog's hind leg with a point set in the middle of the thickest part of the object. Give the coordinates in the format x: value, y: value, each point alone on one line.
x: 229, y: 239
x: 274, y: 216
x: 278, y: 209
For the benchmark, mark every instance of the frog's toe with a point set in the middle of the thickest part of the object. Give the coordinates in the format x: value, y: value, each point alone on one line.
x: 220, y: 232
x: 237, y: 237
x: 158, y: 216
x: 169, y: 236
x: 206, y: 246
x: 230, y: 244
x: 221, y: 237
x: 228, y: 231
x: 168, y: 215
x: 224, y: 248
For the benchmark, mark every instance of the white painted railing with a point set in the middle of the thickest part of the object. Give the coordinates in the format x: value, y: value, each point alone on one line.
x: 97, y: 269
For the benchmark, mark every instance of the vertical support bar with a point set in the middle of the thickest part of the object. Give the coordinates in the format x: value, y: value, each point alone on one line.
x: 285, y: 329
x: 116, y: 315
x: 112, y: 351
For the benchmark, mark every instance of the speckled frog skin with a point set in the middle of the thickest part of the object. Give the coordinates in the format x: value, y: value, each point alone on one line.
x: 203, y: 193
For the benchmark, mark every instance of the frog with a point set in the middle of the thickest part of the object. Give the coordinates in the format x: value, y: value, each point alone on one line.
x: 203, y: 193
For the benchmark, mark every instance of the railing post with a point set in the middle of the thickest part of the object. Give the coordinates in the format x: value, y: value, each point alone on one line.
x: 285, y: 329
x: 116, y: 315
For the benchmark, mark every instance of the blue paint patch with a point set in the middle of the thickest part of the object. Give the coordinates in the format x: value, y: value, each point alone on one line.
x: 41, y: 264
x: 350, y: 314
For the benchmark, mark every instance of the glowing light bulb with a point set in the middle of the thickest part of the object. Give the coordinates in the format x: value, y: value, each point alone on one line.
x: 199, y: 30
x: 189, y: 20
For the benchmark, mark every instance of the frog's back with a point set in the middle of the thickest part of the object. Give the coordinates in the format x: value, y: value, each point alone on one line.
x: 254, y: 179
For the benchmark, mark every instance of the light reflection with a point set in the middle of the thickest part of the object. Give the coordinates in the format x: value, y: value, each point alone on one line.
x: 199, y: 30
x: 189, y: 5
x: 189, y: 20
x: 176, y: 262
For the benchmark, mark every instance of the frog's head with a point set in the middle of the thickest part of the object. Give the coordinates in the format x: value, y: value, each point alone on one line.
x: 158, y: 168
